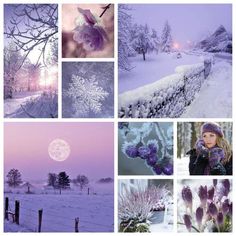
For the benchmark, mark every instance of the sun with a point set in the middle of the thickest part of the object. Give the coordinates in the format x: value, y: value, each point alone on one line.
x: 59, y: 150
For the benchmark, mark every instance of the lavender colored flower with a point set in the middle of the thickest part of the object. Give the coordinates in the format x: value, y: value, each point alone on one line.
x: 202, y: 193
x: 157, y: 169
x: 220, y: 218
x: 92, y: 37
x: 168, y: 169
x: 88, y: 16
x: 187, y: 196
x: 188, y: 222
x: 131, y: 151
x: 144, y: 152
x: 214, y: 182
x: 199, y: 216
x: 210, y: 193
x: 212, y: 209
x: 225, y: 206
x: 151, y: 159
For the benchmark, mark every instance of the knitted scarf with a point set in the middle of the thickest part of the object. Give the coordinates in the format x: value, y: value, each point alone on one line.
x: 215, y: 154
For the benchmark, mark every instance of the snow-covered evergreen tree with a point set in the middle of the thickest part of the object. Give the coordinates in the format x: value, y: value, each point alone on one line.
x: 124, y: 48
x: 155, y: 41
x: 166, y: 38
x: 86, y: 95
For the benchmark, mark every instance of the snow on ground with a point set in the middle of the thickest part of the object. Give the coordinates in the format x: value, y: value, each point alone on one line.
x: 153, y: 69
x: 215, y: 97
x: 182, y: 166
x: 95, y: 211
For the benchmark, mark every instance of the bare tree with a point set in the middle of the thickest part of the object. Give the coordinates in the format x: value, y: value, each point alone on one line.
x: 33, y: 27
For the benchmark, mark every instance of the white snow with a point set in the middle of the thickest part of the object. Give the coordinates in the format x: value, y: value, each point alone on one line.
x: 182, y: 166
x: 95, y: 211
x: 215, y: 97
x: 153, y: 69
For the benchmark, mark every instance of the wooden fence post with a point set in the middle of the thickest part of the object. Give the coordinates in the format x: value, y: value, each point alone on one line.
x: 40, y: 214
x: 6, y: 208
x: 77, y: 224
x: 17, y: 212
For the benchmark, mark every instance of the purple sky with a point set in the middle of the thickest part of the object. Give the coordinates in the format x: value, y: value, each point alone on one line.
x: 188, y: 21
x: 91, y: 144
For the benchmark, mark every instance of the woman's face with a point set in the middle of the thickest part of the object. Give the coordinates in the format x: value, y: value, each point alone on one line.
x: 209, y: 139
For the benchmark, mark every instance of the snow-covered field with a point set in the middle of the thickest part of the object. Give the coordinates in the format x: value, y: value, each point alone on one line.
x: 95, y: 211
x: 153, y: 69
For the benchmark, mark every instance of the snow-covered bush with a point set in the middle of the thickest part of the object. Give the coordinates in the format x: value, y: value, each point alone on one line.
x: 167, y: 97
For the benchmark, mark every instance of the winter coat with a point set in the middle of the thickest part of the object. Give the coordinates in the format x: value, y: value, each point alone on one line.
x: 198, y: 163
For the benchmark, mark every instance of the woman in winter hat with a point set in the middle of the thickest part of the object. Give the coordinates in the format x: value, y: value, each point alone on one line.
x: 212, y: 154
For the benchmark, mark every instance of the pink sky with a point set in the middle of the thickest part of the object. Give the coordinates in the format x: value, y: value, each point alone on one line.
x: 91, y: 144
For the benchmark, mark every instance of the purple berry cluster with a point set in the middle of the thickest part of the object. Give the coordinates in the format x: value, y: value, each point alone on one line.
x: 214, y: 211
x: 149, y: 154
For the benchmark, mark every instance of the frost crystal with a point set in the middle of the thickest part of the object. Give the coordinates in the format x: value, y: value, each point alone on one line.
x: 86, y: 95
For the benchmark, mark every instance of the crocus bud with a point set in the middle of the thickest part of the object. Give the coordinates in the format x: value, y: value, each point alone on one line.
x: 202, y: 193
x: 226, y: 184
x: 220, y: 218
x: 210, y: 193
x: 214, y: 182
x: 187, y: 222
x: 212, y: 209
x: 225, y: 206
x: 187, y: 196
x: 199, y: 216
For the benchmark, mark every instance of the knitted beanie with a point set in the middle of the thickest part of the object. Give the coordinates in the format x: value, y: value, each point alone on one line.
x: 213, y: 128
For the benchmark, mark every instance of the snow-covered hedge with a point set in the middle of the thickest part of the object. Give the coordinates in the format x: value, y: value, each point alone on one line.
x: 167, y: 97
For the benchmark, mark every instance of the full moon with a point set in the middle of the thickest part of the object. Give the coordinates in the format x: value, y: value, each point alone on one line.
x: 59, y: 150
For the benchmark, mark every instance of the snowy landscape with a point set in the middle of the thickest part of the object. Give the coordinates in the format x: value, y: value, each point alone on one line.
x: 30, y: 60
x: 52, y: 182
x: 177, y: 68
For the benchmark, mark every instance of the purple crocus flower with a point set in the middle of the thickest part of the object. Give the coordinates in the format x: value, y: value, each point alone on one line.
x: 131, y: 151
x: 214, y: 182
x: 210, y: 193
x: 157, y: 169
x: 199, y: 216
x: 226, y: 184
x: 168, y: 169
x: 225, y: 206
x: 212, y: 209
x: 187, y: 196
x: 144, y: 152
x: 187, y: 222
x: 88, y: 16
x: 220, y: 218
x: 202, y: 193
x: 151, y: 159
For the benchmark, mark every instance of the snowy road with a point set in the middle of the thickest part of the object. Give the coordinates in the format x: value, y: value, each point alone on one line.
x: 215, y: 97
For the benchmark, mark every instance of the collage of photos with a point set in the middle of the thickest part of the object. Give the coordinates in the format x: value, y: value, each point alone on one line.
x: 117, y: 117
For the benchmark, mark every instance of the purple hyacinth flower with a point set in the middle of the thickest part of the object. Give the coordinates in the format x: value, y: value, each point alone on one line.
x: 225, y: 206
x: 144, y: 152
x: 187, y: 222
x: 187, y: 196
x: 214, y: 182
x: 220, y: 218
x: 210, y: 193
x: 168, y: 169
x: 151, y: 159
x: 202, y: 193
x: 199, y: 215
x: 157, y: 169
x: 131, y: 151
x: 92, y: 37
x: 212, y: 209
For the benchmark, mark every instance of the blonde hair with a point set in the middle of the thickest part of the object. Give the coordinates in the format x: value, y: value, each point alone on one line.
x: 224, y: 144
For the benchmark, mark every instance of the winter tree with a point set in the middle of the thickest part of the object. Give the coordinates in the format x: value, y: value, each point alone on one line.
x: 63, y: 181
x: 82, y: 181
x: 53, y: 180
x: 32, y: 27
x: 14, y: 178
x: 124, y: 47
x: 142, y: 43
x: 155, y: 41
x: 166, y: 38
x: 87, y: 96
